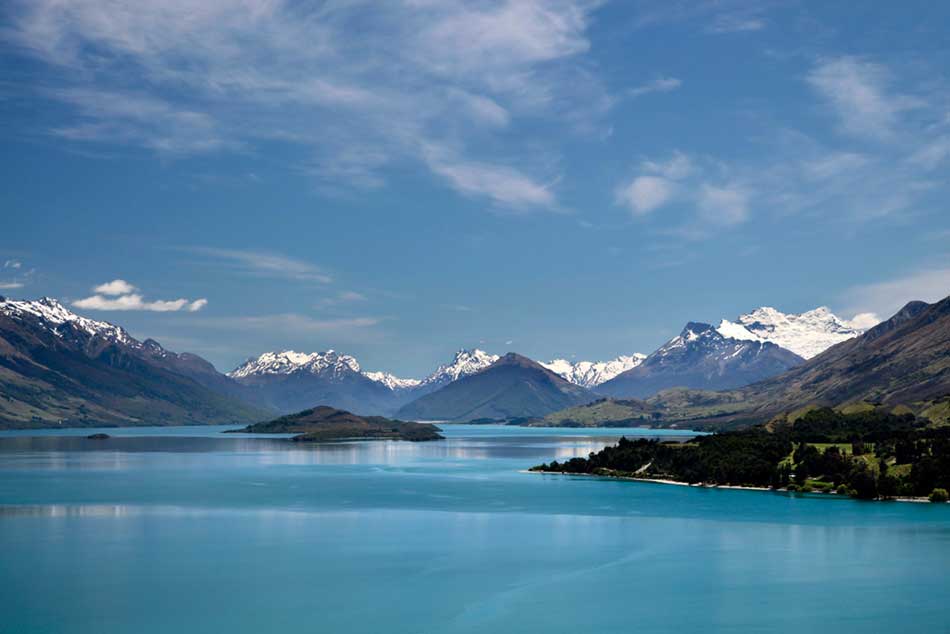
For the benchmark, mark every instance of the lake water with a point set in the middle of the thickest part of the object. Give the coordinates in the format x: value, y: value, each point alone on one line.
x: 188, y: 530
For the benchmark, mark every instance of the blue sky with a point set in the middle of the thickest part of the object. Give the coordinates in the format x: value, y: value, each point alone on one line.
x: 398, y: 180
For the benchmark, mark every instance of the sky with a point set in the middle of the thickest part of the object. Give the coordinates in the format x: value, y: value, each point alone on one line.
x: 398, y: 180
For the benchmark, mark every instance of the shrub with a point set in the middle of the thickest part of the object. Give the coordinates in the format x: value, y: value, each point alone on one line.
x: 843, y: 490
x: 807, y: 488
x: 792, y: 488
x: 939, y: 495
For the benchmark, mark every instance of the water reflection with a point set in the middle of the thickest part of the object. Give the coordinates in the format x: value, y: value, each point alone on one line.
x: 123, y: 452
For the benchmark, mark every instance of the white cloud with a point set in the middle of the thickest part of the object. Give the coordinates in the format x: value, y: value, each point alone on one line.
x: 10, y: 285
x: 129, y: 302
x: 190, y: 76
x: 12, y: 264
x: 864, y: 321
x: 645, y: 193
x: 663, y: 84
x: 120, y: 295
x: 465, y: 37
x: 505, y: 185
x: 727, y: 205
x: 115, y: 287
x: 859, y: 92
x: 265, y: 264
x: 887, y: 297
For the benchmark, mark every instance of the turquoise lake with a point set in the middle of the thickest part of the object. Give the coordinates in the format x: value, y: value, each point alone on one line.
x: 190, y: 530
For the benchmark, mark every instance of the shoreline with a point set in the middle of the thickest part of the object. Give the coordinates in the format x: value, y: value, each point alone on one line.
x: 700, y: 485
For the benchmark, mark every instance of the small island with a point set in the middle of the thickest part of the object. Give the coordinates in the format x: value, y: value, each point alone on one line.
x: 869, y: 454
x: 99, y: 436
x: 324, y: 424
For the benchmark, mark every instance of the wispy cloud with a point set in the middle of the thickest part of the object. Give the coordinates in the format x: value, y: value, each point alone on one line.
x: 120, y: 295
x: 504, y: 185
x: 724, y: 205
x: 265, y: 264
x: 341, y: 298
x: 15, y: 269
x: 662, y: 84
x: 859, y: 93
x: 736, y: 23
x: 292, y: 322
x: 196, y: 76
x: 887, y: 297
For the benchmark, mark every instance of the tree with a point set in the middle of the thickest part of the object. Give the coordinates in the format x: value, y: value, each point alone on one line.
x: 939, y: 495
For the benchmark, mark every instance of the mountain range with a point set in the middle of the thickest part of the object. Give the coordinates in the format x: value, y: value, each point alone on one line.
x: 902, y: 364
x: 59, y: 367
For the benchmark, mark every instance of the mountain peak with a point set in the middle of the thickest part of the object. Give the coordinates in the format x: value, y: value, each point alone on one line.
x: 392, y: 381
x: 54, y: 316
x: 291, y: 361
x: 515, y: 359
x: 592, y: 373
x: 464, y: 363
x: 806, y: 334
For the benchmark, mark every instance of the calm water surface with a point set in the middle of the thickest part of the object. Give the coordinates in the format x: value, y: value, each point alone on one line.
x: 189, y: 530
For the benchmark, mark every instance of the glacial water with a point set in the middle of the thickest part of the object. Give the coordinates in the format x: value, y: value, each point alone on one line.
x: 190, y: 530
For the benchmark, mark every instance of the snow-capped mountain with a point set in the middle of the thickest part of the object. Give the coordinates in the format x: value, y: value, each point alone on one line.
x: 591, y: 373
x: 62, y: 321
x: 701, y: 357
x: 512, y: 387
x: 62, y: 367
x: 806, y: 334
x: 464, y: 363
x: 330, y: 363
x: 391, y: 381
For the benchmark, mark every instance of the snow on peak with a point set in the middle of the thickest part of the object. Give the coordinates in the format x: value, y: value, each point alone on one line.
x: 693, y: 333
x: 464, y: 363
x: 593, y: 373
x: 290, y: 361
x: 391, y: 381
x: 54, y: 315
x: 806, y: 334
